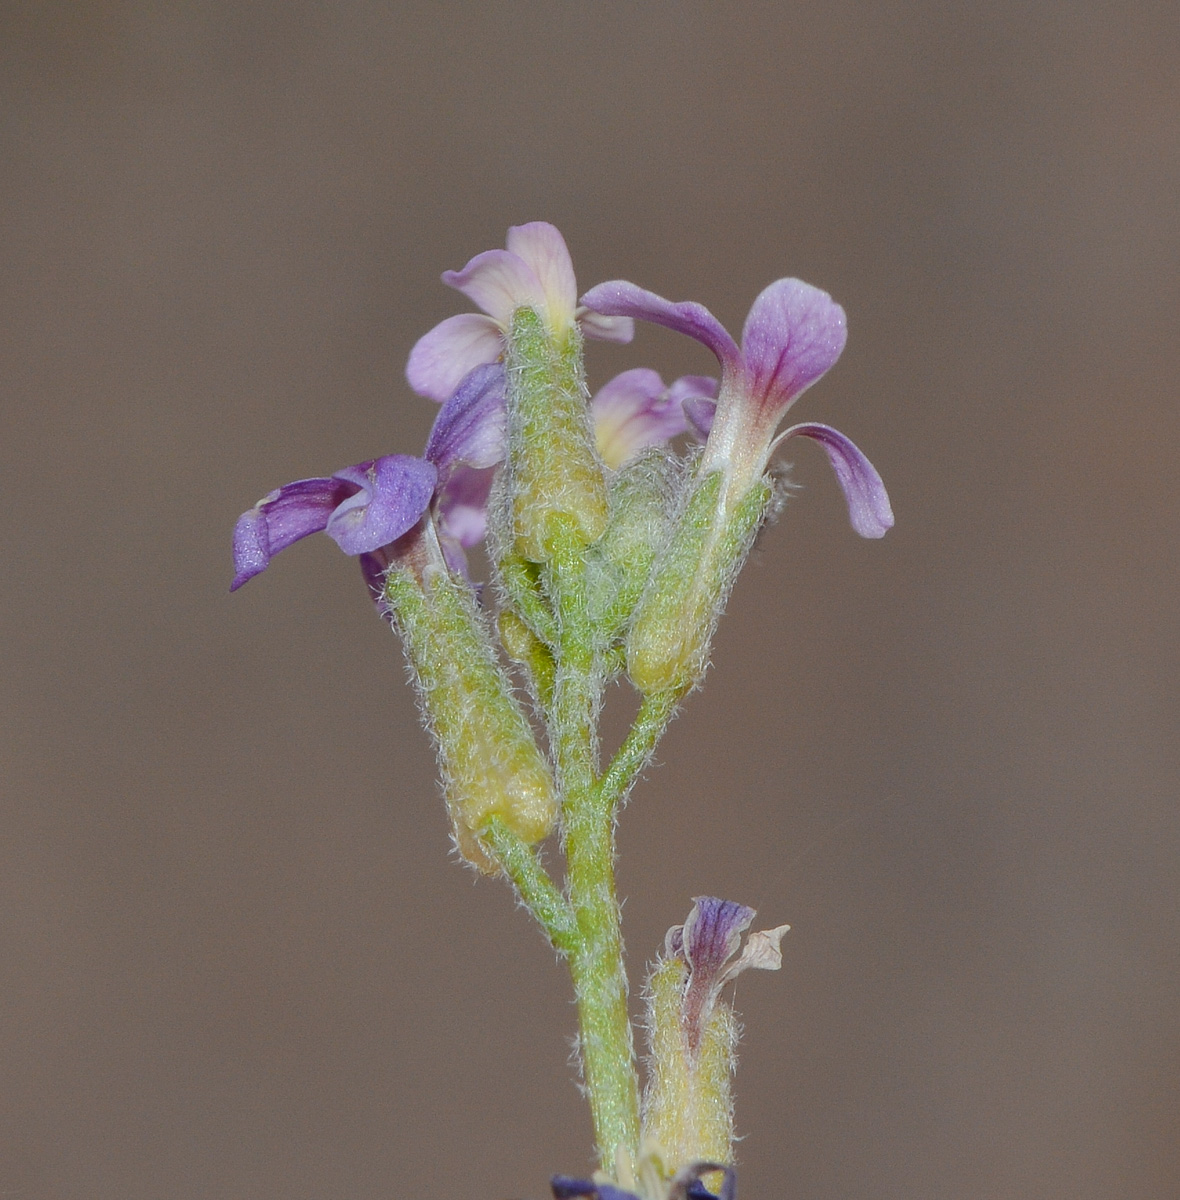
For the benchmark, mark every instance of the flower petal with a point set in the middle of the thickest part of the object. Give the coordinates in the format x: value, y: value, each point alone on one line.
x: 687, y: 1184
x: 543, y: 249
x: 618, y: 298
x: 708, y: 940
x: 712, y: 934
x: 471, y: 427
x: 793, y: 334
x: 282, y: 517
x: 500, y: 282
x: 605, y: 329
x: 868, y: 502
x: 392, y: 493
x: 692, y: 387
x: 697, y: 396
x: 700, y: 413
x: 633, y: 411
x: 441, y: 358
x: 463, y: 505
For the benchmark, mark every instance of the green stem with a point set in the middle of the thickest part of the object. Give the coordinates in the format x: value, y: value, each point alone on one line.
x: 578, y: 680
x: 537, y: 891
x: 600, y: 985
x: 600, y: 979
x: 635, y: 753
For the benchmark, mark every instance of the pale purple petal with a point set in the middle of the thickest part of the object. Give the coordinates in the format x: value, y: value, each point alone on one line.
x: 499, y: 282
x: 441, y: 358
x: 713, y: 933
x: 280, y: 518
x: 605, y: 329
x: 463, y: 505
x: 868, y: 502
x: 793, y: 334
x: 710, y: 937
x: 544, y: 251
x: 633, y: 411
x: 697, y: 396
x: 690, y: 387
x: 471, y: 427
x: 700, y: 413
x: 618, y: 298
x: 392, y: 493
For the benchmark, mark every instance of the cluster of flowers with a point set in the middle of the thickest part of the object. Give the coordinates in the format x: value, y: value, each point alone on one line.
x: 793, y: 334
x: 610, y: 552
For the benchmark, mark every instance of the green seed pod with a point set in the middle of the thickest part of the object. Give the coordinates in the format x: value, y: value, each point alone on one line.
x: 618, y: 565
x: 687, y: 1106
x: 668, y: 644
x: 491, y: 765
x: 556, y: 480
x: 524, y: 647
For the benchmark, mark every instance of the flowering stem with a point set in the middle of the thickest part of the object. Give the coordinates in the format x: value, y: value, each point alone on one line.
x: 634, y: 754
x: 600, y: 984
x: 600, y: 980
x: 539, y: 894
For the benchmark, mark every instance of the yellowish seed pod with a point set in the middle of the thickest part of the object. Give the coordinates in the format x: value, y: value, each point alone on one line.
x: 556, y: 480
x: 491, y: 764
x: 687, y: 1107
x: 668, y: 643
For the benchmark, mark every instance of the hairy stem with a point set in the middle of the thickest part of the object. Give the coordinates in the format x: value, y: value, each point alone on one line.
x: 537, y: 891
x: 600, y: 979
x: 635, y: 753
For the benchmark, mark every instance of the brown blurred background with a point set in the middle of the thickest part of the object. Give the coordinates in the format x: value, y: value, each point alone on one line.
x: 236, y: 961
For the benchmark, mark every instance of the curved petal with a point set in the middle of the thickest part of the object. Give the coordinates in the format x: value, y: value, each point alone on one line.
x: 463, y: 505
x: 605, y: 329
x: 697, y: 397
x: 691, y: 387
x: 471, y: 427
x: 712, y: 934
x: 868, y: 502
x: 543, y: 249
x: 700, y: 414
x: 392, y: 493
x: 618, y: 298
x: 499, y: 282
x: 793, y: 334
x: 282, y: 517
x: 633, y: 411
x: 441, y: 358
x: 687, y: 1183
x: 709, y: 938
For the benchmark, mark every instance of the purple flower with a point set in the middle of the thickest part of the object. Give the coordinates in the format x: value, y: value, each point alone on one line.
x: 368, y: 507
x: 534, y: 271
x: 793, y: 334
x: 685, y: 1185
x: 707, y: 941
x: 636, y: 410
